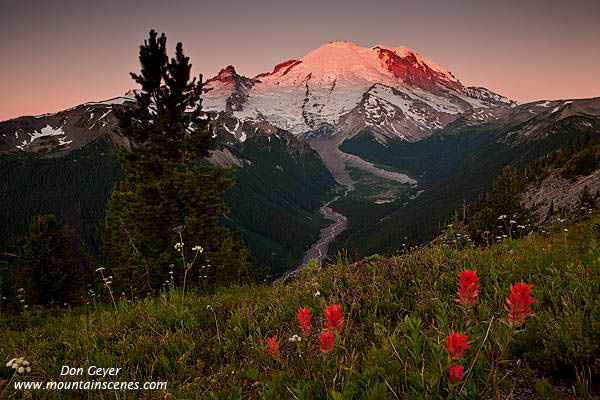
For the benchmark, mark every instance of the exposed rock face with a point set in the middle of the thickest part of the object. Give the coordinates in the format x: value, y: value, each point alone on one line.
x: 560, y: 194
x: 227, y: 91
x: 412, y: 69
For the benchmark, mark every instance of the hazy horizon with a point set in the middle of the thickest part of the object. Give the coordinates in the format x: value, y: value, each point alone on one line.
x: 61, y: 55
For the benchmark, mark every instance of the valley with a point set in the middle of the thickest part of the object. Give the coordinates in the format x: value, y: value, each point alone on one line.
x: 319, y: 250
x: 338, y: 162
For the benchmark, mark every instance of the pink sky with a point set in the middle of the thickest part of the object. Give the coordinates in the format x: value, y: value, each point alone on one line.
x: 55, y: 57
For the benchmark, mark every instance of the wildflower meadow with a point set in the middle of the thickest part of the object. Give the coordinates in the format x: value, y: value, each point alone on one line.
x: 521, y: 316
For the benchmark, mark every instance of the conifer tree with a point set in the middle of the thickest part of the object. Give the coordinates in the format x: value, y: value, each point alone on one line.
x: 500, y: 211
x: 169, y: 187
x: 45, y: 273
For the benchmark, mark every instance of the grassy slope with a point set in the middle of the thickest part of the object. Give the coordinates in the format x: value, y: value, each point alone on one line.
x: 397, y: 314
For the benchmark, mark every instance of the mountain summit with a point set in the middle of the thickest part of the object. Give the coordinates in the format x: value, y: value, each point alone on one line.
x: 318, y: 92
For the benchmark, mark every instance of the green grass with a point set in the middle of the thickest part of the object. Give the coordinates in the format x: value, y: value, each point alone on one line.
x: 397, y: 314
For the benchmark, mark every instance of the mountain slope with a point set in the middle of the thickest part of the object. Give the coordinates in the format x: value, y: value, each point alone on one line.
x: 62, y: 131
x: 459, y: 162
x: 396, y: 315
x: 281, y: 181
x: 313, y: 94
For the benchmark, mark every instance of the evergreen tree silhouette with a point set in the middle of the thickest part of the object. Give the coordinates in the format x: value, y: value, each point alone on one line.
x: 169, y: 188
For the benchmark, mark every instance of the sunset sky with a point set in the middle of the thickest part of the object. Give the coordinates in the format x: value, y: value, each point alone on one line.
x: 57, y: 54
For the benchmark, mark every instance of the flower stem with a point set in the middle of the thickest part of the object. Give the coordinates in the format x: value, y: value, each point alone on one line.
x: 8, y: 384
x: 476, y: 355
x: 512, y: 330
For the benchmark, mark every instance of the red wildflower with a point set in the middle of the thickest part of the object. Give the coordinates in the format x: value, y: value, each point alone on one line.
x: 273, y: 344
x: 327, y: 340
x: 468, y: 288
x: 456, y: 373
x: 304, y: 320
x: 456, y: 344
x: 519, y: 301
x: 334, y: 317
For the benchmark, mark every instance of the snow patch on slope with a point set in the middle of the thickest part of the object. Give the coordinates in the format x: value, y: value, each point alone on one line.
x: 114, y: 101
x: 45, y: 131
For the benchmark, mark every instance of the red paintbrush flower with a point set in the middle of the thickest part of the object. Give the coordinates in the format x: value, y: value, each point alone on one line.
x: 334, y: 317
x: 456, y: 344
x: 273, y: 344
x: 519, y: 301
x: 327, y: 340
x: 468, y: 288
x: 304, y: 320
x: 456, y: 373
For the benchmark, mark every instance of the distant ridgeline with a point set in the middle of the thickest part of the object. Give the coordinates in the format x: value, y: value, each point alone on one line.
x: 455, y: 165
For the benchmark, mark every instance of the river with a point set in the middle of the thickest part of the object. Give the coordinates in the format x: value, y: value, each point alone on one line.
x: 318, y: 250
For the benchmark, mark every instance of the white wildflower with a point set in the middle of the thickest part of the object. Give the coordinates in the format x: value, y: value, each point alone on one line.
x: 99, y: 269
x: 19, y: 364
x: 317, y: 293
x: 295, y: 338
x: 197, y: 248
x: 502, y: 217
x: 512, y: 221
x: 179, y: 246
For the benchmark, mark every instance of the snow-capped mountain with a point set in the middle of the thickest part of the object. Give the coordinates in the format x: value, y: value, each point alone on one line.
x: 341, y: 87
x: 64, y: 130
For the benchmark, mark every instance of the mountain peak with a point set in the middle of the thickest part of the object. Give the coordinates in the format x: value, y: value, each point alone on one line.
x: 227, y: 74
x: 315, y: 92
